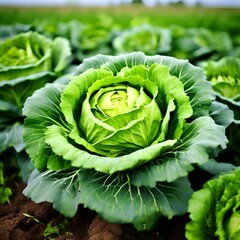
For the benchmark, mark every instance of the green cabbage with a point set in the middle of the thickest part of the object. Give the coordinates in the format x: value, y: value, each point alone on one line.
x: 121, y: 137
x: 146, y: 38
x: 214, y: 210
x: 90, y: 39
x: 27, y: 62
x: 86, y: 39
x: 224, y: 76
x: 199, y: 43
x: 30, y: 53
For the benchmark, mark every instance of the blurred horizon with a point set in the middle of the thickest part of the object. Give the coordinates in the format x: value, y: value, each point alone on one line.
x: 214, y: 3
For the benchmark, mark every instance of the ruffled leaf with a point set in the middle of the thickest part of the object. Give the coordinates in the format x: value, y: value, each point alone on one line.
x: 120, y: 201
x: 60, y: 188
x: 42, y: 110
x: 201, y: 140
x: 11, y: 136
x: 211, y: 207
x: 81, y: 158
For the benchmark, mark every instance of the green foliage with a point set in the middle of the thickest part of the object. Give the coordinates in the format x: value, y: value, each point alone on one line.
x: 28, y: 61
x: 5, y: 192
x: 54, y: 231
x: 214, y: 210
x: 51, y: 231
x: 8, y: 173
x: 217, y: 19
x: 224, y: 77
x: 200, y: 43
x: 146, y: 38
x: 120, y: 132
x: 10, y: 30
x: 137, y: 1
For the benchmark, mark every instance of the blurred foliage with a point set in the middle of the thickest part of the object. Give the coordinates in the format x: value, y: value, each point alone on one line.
x: 218, y: 19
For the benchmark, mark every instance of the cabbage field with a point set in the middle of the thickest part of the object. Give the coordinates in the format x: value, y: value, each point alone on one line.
x: 119, y: 123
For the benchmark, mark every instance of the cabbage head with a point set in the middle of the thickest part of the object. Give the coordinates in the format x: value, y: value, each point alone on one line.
x: 224, y: 76
x: 90, y: 39
x: 121, y: 137
x: 215, y: 209
x: 198, y: 44
x: 146, y: 38
x: 27, y: 62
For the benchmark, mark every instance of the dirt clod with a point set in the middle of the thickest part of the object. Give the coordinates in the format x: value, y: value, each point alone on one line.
x: 23, y: 219
x: 101, y: 230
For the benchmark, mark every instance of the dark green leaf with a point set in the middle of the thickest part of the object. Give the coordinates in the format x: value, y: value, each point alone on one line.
x: 60, y: 188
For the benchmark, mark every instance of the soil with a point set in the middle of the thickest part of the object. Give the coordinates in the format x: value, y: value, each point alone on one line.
x: 22, y: 219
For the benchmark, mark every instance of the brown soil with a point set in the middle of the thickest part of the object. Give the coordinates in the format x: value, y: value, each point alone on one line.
x: 22, y: 219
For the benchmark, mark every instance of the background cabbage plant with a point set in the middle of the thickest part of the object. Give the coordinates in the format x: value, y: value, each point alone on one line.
x: 214, y: 210
x: 90, y: 39
x: 224, y: 76
x: 146, y: 38
x: 27, y: 62
x: 198, y: 44
x: 121, y: 137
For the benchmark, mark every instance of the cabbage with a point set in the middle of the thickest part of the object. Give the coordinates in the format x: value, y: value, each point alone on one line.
x: 146, y: 38
x: 27, y: 62
x: 90, y: 39
x: 30, y: 53
x: 86, y: 39
x: 224, y: 78
x: 198, y: 44
x: 121, y: 137
x: 214, y: 210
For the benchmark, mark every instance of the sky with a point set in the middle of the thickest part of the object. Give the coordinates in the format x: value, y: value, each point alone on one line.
x: 235, y: 3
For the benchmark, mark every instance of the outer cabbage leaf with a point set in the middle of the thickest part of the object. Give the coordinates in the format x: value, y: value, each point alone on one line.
x: 221, y: 114
x: 214, y: 210
x: 120, y: 201
x: 198, y: 143
x: 7, y: 31
x: 44, y: 115
x: 15, y: 92
x: 117, y: 200
x: 60, y: 188
x: 214, y: 167
x: 11, y: 136
x: 25, y: 165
